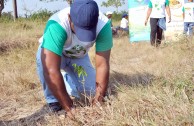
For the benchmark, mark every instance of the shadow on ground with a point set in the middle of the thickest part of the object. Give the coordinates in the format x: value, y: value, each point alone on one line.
x: 37, y: 118
x: 116, y: 79
x: 139, y: 79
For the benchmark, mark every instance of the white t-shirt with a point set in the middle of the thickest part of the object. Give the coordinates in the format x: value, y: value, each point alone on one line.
x: 188, y: 9
x: 158, y: 8
x: 59, y: 38
x: 124, y: 23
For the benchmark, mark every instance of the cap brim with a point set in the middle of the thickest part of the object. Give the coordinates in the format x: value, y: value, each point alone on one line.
x: 108, y: 13
x: 85, y: 35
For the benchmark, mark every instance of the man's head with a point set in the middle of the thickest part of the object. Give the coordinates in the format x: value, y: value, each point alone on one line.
x: 125, y: 16
x: 109, y: 14
x: 84, y: 16
x: 190, y: 0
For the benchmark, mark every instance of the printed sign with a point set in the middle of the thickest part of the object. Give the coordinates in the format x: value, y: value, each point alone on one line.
x: 137, y: 13
x: 176, y: 25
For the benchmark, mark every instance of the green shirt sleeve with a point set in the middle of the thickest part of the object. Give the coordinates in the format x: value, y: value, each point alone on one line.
x: 54, y: 37
x: 104, y: 40
x: 167, y: 3
x: 183, y: 9
x: 150, y: 5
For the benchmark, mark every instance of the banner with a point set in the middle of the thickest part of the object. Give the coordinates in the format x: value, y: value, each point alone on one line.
x: 175, y: 27
x: 137, y: 13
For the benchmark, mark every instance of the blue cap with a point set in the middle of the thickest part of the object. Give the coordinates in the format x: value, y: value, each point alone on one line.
x: 84, y: 15
x: 124, y: 15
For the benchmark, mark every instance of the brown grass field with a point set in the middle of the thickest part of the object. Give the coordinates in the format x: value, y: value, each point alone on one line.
x: 148, y: 86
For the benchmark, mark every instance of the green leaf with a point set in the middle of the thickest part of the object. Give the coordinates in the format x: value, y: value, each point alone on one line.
x: 80, y: 71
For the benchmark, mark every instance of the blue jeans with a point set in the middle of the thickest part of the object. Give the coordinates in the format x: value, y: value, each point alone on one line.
x: 188, y: 26
x: 125, y: 29
x: 72, y: 81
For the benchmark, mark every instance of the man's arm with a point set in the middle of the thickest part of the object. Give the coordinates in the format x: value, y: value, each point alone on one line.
x: 51, y: 66
x: 149, y: 11
x: 184, y: 13
x: 104, y: 43
x: 169, y: 13
x: 102, y: 74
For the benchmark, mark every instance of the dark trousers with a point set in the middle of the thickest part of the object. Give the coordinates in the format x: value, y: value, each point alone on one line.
x: 156, y: 32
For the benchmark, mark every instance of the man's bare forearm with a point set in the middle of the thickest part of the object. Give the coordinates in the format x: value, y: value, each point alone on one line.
x: 56, y: 85
x: 102, y: 72
x: 149, y: 11
x: 168, y: 12
x: 51, y: 66
x: 102, y: 79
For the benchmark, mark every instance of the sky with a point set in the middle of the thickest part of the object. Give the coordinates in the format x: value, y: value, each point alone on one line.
x: 35, y: 5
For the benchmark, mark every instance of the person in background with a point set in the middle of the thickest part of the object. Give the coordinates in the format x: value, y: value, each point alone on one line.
x: 67, y: 38
x: 124, y: 23
x: 109, y: 16
x: 188, y: 16
x: 156, y: 12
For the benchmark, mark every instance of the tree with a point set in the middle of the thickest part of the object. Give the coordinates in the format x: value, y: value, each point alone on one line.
x: 26, y: 10
x: 114, y: 3
x: 68, y: 1
x: 15, y: 9
x: 2, y: 2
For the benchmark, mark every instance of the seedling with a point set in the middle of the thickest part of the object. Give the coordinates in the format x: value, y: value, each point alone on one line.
x: 81, y: 74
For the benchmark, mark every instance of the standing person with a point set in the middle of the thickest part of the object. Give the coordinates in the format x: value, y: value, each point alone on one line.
x: 67, y: 38
x: 109, y: 16
x: 124, y: 23
x: 188, y: 16
x: 156, y: 12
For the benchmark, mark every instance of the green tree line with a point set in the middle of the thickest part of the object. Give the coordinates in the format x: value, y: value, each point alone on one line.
x: 44, y: 13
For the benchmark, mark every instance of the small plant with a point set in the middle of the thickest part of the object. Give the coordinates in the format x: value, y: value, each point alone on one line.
x: 81, y: 74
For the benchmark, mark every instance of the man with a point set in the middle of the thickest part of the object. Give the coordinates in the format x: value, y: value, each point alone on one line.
x: 66, y: 41
x: 188, y: 16
x: 124, y: 23
x: 109, y: 16
x: 156, y: 12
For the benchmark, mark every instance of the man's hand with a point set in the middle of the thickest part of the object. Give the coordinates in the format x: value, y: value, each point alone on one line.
x: 149, y: 11
x: 71, y: 113
x: 146, y: 21
x: 98, y: 98
x: 102, y: 75
x: 169, y: 13
x: 169, y: 19
x: 69, y: 103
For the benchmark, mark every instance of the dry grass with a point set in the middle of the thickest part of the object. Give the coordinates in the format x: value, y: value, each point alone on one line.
x: 19, y: 34
x: 148, y: 86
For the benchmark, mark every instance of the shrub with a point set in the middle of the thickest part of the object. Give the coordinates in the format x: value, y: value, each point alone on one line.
x: 118, y: 16
x: 6, y: 17
x: 41, y: 15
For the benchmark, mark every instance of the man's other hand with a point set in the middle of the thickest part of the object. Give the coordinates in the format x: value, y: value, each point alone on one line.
x: 98, y: 98
x: 169, y: 19
x: 71, y: 113
x: 146, y: 21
